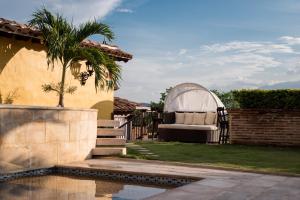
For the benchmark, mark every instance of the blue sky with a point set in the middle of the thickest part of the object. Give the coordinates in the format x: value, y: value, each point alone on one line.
x: 222, y: 44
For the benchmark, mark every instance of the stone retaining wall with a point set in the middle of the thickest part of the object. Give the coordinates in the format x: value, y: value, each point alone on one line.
x: 265, y: 127
x: 34, y: 137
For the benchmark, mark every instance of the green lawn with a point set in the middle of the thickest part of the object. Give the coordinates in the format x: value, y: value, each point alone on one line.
x: 264, y: 159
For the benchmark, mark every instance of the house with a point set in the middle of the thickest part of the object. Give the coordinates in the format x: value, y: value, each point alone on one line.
x: 124, y: 106
x: 24, y: 69
x: 130, y: 115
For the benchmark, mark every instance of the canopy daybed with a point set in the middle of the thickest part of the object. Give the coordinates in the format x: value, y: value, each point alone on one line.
x: 190, y: 114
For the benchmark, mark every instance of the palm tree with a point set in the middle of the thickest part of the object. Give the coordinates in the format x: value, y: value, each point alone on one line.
x: 63, y: 42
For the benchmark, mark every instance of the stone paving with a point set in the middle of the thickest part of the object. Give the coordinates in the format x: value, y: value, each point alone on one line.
x: 141, y: 150
x: 216, y: 185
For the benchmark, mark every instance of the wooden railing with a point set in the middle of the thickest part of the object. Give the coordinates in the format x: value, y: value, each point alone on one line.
x: 141, y: 125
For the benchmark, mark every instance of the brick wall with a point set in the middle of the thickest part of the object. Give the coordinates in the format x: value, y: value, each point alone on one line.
x: 265, y: 127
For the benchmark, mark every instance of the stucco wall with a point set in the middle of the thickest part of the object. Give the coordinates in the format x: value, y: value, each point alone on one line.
x: 23, y: 67
x: 33, y: 137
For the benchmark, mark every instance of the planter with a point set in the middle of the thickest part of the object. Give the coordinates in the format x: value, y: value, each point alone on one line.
x: 34, y: 137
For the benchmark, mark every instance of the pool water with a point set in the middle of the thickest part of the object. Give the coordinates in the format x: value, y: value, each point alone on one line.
x: 69, y: 188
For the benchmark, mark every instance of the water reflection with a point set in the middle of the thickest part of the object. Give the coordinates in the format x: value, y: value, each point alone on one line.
x: 59, y: 187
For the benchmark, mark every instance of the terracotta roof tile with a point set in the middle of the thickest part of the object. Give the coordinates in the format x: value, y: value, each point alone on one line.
x: 110, y: 50
x: 14, y: 28
x: 124, y: 105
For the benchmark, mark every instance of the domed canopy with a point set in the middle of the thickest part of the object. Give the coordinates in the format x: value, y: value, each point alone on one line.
x: 191, y: 97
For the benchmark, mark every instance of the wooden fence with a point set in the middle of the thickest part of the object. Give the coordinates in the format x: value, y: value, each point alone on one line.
x: 140, y: 125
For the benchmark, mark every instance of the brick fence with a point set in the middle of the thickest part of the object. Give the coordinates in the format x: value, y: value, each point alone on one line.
x: 265, y: 127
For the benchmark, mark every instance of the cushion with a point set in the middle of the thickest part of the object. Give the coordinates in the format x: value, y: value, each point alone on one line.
x: 216, y: 119
x: 199, y: 118
x: 189, y: 127
x: 210, y: 118
x: 168, y: 117
x: 179, y: 118
x: 188, y: 118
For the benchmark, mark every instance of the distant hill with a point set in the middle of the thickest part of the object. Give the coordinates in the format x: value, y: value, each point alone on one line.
x: 283, y: 85
x: 145, y: 104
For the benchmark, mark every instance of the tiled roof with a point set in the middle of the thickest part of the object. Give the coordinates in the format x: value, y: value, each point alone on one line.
x: 110, y: 50
x: 124, y: 105
x: 9, y: 27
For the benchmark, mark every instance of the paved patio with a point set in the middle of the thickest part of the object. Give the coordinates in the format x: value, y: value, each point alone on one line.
x: 217, y: 184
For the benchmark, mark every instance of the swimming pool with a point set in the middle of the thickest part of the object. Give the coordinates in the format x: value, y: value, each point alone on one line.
x: 70, y: 183
x: 61, y: 187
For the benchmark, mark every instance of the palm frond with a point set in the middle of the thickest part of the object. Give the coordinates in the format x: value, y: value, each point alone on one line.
x: 71, y: 89
x: 98, y: 62
x: 114, y: 71
x: 51, y: 87
x: 55, y: 30
x: 55, y: 87
x: 91, y: 28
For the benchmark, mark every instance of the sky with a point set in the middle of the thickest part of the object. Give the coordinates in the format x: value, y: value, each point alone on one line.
x: 220, y: 44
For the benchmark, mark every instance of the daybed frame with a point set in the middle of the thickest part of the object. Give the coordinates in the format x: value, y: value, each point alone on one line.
x: 182, y: 135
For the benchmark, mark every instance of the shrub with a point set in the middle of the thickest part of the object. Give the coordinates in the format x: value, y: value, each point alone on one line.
x: 271, y: 99
x: 159, y: 107
x: 227, y: 99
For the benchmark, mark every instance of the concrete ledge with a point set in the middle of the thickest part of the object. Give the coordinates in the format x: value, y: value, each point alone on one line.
x: 34, y: 136
x: 203, y: 166
x: 3, y: 106
x: 136, y: 177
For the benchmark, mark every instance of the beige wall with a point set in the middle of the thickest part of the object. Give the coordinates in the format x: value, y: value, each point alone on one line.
x: 34, y: 137
x: 23, y: 67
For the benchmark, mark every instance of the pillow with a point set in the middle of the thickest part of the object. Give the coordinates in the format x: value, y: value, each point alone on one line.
x: 199, y: 118
x: 188, y: 118
x: 179, y: 118
x: 168, y: 117
x: 210, y: 118
x: 216, y: 119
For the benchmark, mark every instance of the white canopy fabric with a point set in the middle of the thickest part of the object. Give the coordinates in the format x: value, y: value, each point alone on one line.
x: 191, y: 97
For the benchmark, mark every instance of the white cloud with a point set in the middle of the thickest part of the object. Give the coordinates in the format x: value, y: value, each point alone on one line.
x: 76, y: 10
x: 124, y: 10
x: 81, y: 11
x: 182, y: 51
x: 290, y: 40
x: 255, y: 47
x: 232, y: 65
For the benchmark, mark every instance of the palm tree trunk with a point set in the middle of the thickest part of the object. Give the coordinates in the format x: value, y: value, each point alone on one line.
x: 62, y: 87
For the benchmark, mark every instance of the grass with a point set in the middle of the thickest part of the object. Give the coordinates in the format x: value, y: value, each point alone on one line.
x: 254, y: 158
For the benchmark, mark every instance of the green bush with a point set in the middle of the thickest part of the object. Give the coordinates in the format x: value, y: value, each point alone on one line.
x: 227, y: 99
x: 273, y: 99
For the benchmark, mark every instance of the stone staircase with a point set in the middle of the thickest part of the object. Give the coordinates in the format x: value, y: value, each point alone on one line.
x: 110, y: 139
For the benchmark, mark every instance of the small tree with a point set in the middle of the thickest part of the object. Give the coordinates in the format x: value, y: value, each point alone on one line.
x: 63, y: 42
x: 227, y: 99
x: 159, y: 107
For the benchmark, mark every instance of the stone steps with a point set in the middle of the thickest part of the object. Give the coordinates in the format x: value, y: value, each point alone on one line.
x: 110, y: 142
x: 108, y: 124
x: 110, y: 132
x: 108, y: 151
